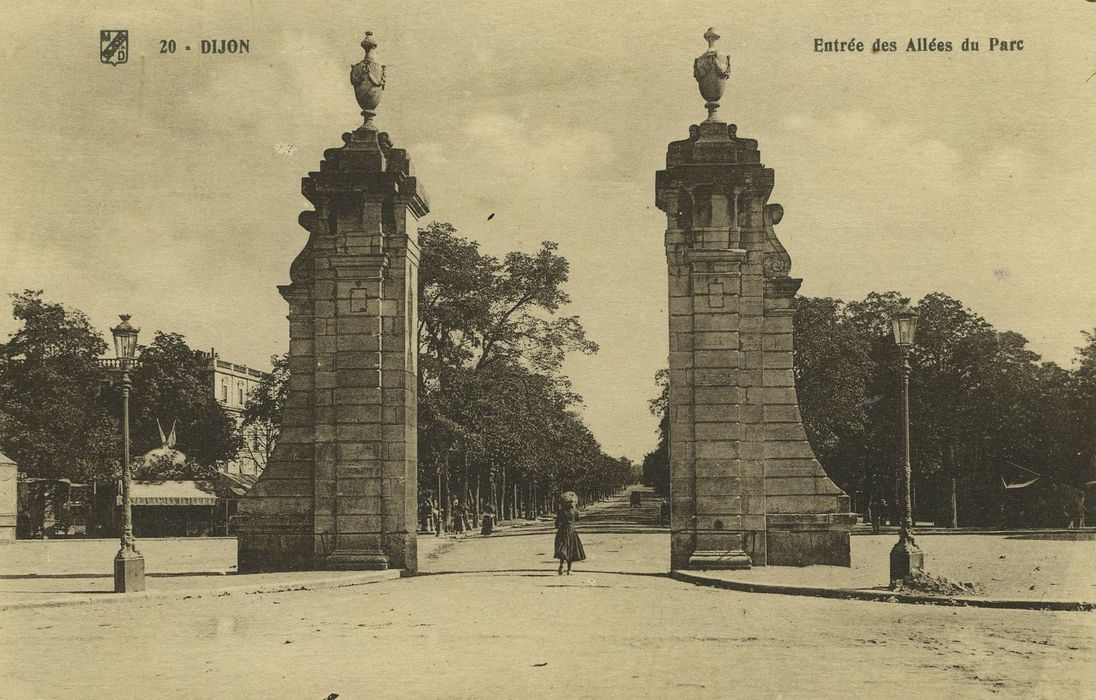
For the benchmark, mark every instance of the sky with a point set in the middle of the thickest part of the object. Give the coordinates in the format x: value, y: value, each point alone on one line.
x: 169, y: 187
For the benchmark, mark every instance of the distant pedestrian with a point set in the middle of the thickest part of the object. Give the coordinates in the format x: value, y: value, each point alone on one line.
x: 425, y: 518
x: 435, y: 514
x: 879, y: 515
x: 488, y: 519
x: 568, y: 546
x: 460, y: 522
x: 664, y: 511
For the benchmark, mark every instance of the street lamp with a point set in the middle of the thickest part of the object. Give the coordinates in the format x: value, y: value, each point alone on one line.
x: 905, y: 557
x: 129, y: 565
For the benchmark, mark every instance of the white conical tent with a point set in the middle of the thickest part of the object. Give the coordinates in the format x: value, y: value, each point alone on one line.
x: 165, y: 450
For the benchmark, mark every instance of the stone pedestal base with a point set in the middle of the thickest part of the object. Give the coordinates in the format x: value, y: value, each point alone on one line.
x: 808, y: 547
x: 273, y: 541
x: 722, y: 559
x: 129, y: 572
x: 8, y: 501
x: 357, y: 561
x: 905, y: 558
x: 402, y: 550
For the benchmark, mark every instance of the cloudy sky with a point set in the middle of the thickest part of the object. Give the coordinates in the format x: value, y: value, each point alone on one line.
x: 169, y: 187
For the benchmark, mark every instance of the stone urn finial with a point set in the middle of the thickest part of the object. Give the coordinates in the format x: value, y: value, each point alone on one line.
x: 367, y: 77
x: 711, y: 72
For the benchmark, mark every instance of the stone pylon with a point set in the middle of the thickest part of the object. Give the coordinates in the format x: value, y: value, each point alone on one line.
x: 745, y: 486
x: 340, y: 489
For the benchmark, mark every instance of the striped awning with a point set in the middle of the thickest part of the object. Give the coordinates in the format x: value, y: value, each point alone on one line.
x: 171, y: 493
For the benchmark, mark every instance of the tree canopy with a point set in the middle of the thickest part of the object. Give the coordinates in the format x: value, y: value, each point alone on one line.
x: 475, y: 310
x: 984, y: 409
x: 656, y: 463
x: 53, y: 422
x: 60, y: 409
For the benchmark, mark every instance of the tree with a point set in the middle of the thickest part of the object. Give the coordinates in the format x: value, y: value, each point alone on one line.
x: 52, y: 417
x: 497, y: 418
x: 475, y: 310
x: 833, y: 373
x: 656, y: 463
x: 263, y: 412
x: 171, y: 384
x: 1077, y: 422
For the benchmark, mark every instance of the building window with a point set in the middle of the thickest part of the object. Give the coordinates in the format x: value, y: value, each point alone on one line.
x: 240, y: 393
x: 224, y: 391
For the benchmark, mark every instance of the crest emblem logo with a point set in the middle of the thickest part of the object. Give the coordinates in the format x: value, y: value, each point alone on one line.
x: 113, y: 46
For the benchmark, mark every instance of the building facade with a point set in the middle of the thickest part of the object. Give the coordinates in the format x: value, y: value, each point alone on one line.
x: 232, y: 384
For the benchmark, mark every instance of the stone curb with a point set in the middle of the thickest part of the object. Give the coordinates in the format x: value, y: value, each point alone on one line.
x: 311, y: 584
x: 883, y: 596
x: 928, y: 531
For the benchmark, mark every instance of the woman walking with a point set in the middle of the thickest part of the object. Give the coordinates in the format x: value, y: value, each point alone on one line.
x: 568, y: 545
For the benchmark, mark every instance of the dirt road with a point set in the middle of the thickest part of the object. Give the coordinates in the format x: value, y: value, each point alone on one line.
x: 490, y: 617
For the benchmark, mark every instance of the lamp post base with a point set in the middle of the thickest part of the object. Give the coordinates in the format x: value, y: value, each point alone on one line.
x: 905, y: 558
x: 129, y: 571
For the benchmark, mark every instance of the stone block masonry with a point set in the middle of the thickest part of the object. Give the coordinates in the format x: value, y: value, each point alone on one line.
x: 340, y: 490
x: 745, y: 486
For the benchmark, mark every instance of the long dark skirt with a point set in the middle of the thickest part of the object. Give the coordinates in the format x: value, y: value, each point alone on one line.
x: 568, y: 545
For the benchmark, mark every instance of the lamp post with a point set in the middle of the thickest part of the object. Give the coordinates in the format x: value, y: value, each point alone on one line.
x: 905, y: 557
x: 129, y: 565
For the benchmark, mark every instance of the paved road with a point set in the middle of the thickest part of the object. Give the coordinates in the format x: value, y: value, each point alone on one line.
x: 491, y: 617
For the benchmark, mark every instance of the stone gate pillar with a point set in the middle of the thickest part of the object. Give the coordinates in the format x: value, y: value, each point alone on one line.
x: 745, y: 486
x: 340, y: 489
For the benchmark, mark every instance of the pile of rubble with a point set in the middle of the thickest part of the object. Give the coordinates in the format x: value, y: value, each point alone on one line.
x: 923, y: 583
